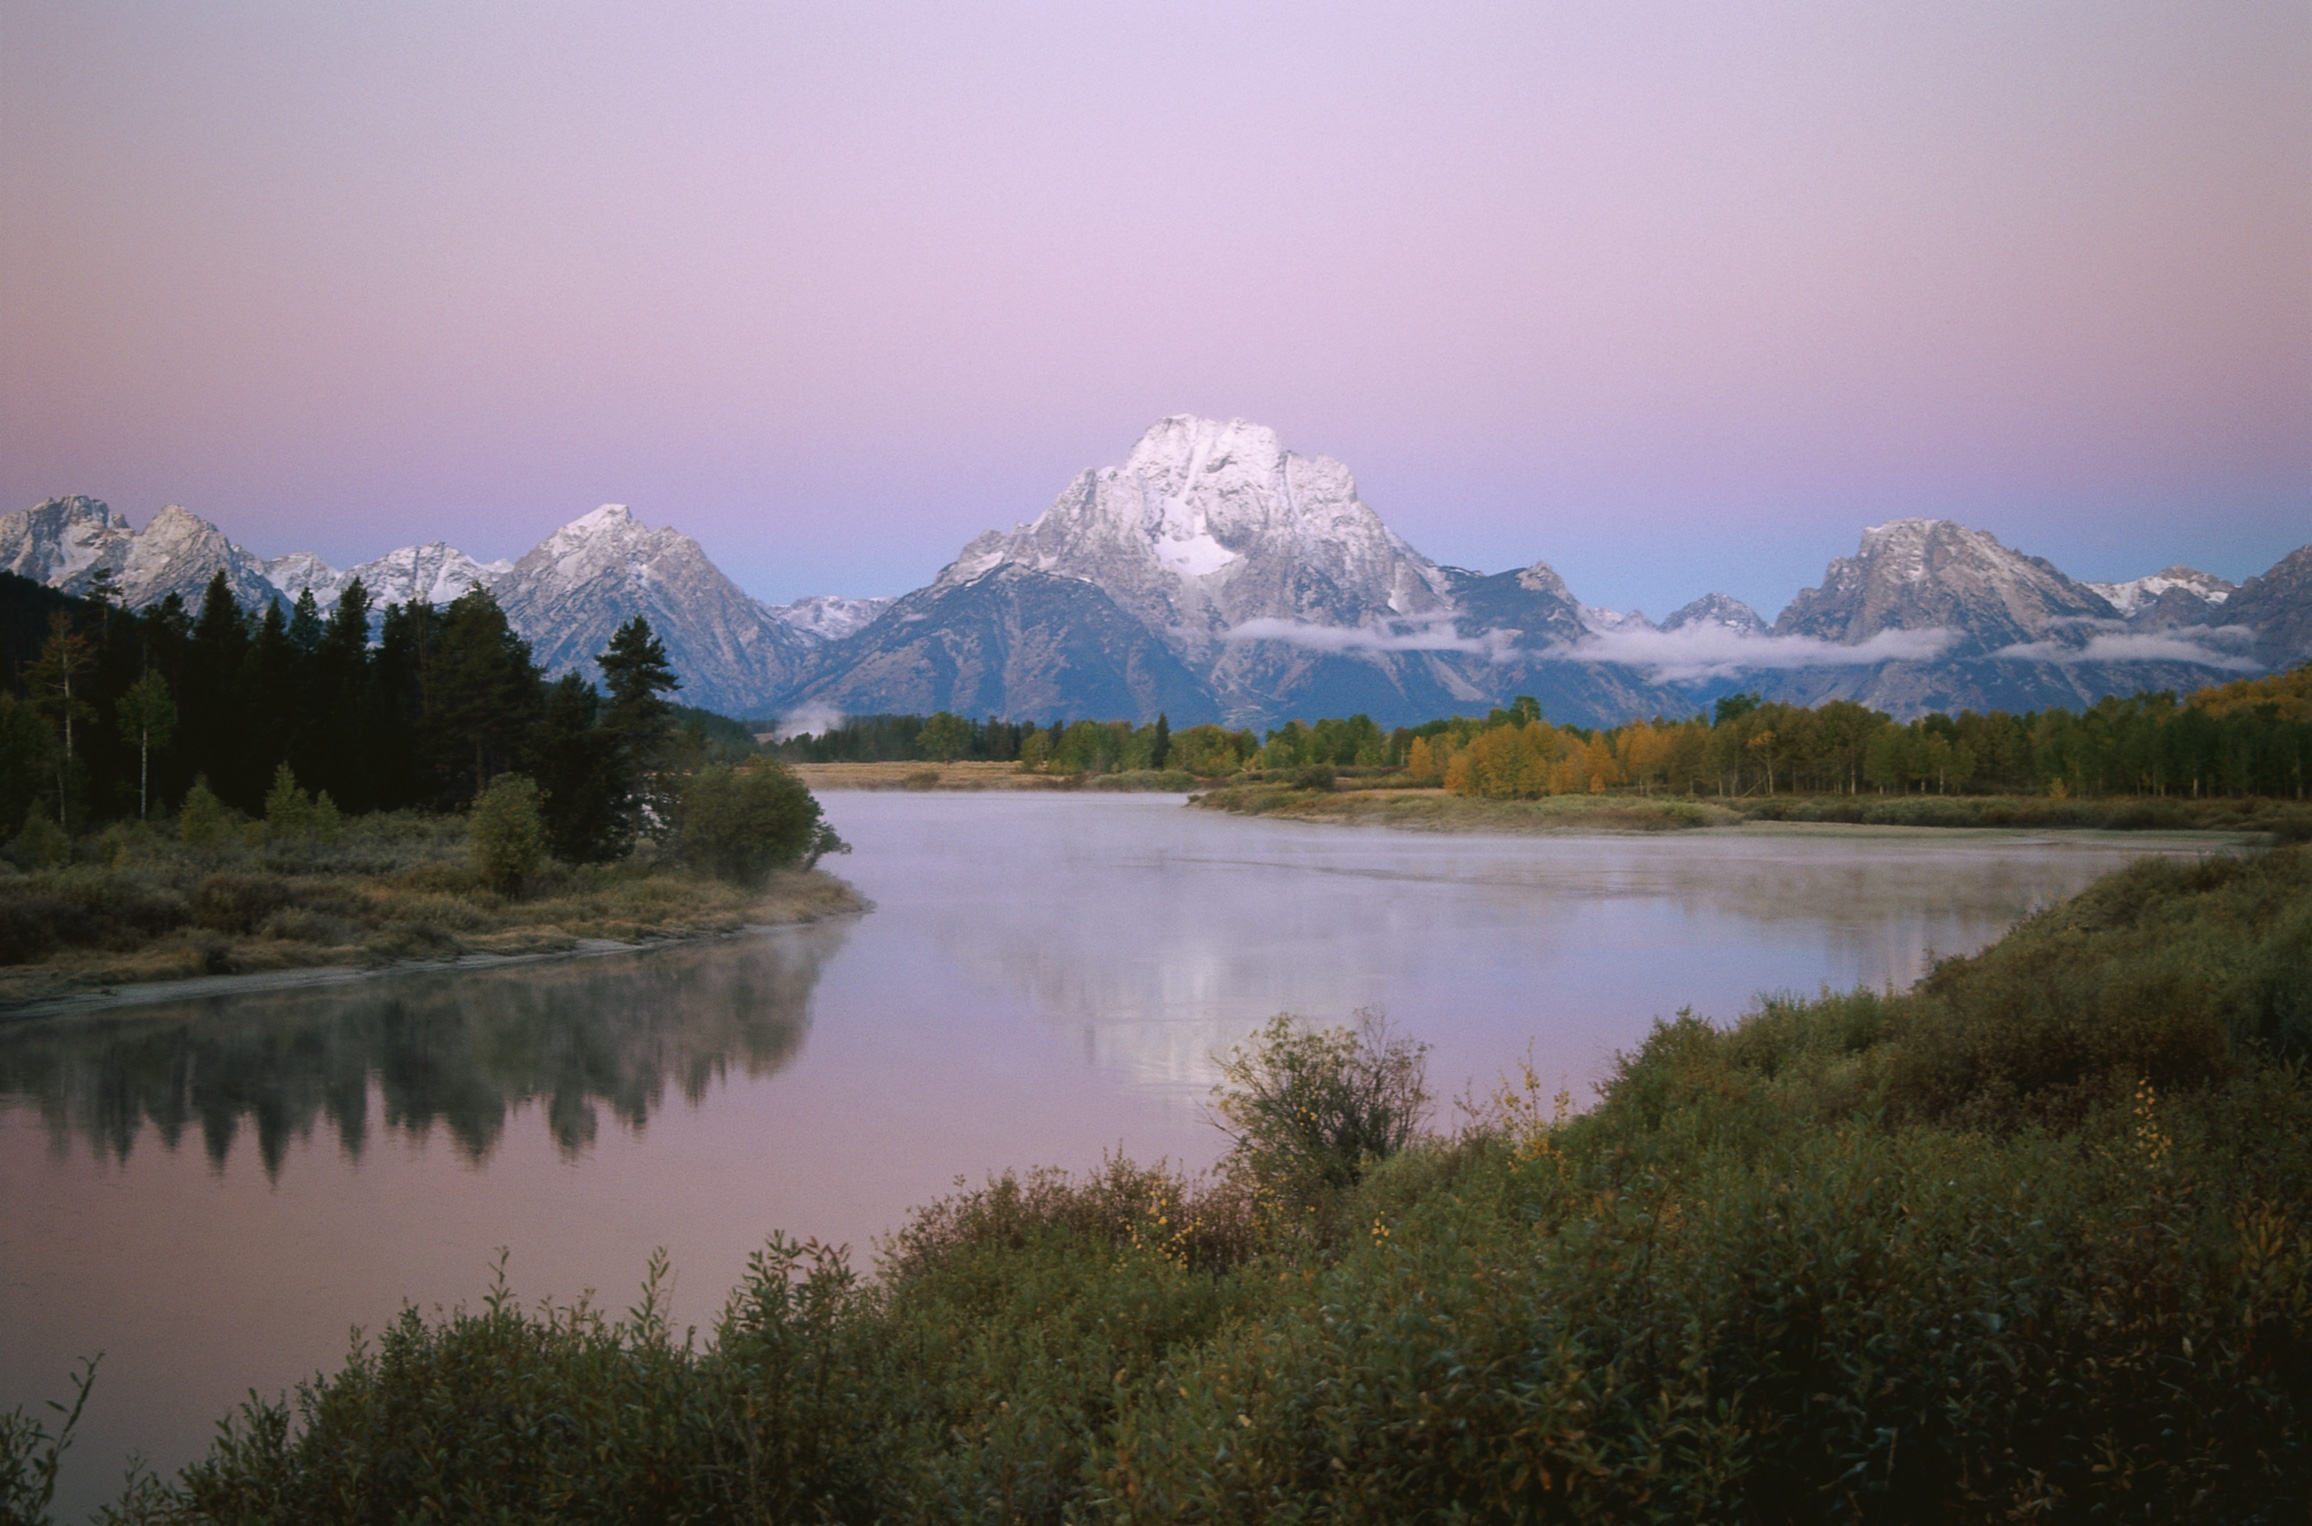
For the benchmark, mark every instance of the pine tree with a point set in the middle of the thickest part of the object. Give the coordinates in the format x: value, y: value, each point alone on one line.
x: 212, y: 700
x: 482, y: 695
x: 574, y: 760
x: 59, y: 682
x: 640, y: 721
x: 336, y: 749
x: 272, y: 697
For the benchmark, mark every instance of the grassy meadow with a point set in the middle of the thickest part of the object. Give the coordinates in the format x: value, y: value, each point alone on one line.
x: 135, y: 903
x: 1376, y: 797
x: 2030, y: 1241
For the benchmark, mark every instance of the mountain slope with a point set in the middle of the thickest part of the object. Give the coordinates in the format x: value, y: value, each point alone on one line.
x: 63, y: 542
x: 578, y: 585
x: 1010, y: 641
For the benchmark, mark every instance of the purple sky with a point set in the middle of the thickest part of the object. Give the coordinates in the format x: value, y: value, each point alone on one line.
x: 1678, y: 298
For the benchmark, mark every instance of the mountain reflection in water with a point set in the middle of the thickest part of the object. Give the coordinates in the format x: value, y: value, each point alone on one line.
x: 458, y: 1049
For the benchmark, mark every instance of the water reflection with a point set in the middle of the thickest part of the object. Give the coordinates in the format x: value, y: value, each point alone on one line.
x: 1155, y: 937
x: 460, y: 1050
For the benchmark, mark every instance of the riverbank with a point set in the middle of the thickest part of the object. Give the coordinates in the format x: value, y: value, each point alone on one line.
x: 390, y: 890
x: 1435, y: 810
x: 2026, y: 1239
x: 822, y: 777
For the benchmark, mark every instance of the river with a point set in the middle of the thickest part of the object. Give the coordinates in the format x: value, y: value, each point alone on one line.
x: 215, y: 1190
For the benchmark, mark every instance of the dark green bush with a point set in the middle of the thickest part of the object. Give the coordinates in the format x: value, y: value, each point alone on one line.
x: 740, y: 824
x: 2031, y: 1242
x: 238, y: 903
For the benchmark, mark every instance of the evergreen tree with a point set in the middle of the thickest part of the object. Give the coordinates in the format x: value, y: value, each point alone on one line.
x: 482, y: 696
x: 59, y: 681
x: 574, y: 760
x: 272, y: 696
x: 640, y: 720
x: 210, y: 696
x: 397, y: 760
x: 338, y: 713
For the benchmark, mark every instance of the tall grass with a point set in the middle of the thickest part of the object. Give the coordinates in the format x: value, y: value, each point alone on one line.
x: 2032, y: 1241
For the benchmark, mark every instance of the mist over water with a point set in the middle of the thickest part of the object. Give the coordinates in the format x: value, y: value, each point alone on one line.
x: 215, y: 1190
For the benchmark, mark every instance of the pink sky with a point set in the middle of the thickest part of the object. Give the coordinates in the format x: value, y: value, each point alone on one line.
x: 1678, y: 298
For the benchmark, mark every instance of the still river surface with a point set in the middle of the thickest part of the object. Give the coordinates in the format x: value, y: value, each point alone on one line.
x: 214, y: 1191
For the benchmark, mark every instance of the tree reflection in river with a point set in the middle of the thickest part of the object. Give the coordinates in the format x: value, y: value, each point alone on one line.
x: 458, y: 1048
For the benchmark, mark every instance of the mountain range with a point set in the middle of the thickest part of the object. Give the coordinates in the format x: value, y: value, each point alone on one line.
x: 1216, y: 575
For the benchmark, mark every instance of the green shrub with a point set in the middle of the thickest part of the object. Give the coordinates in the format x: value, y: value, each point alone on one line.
x: 42, y: 844
x: 507, y: 833
x: 739, y: 824
x: 1937, y: 1256
x: 1310, y: 1108
x: 292, y: 814
x: 238, y: 903
x: 203, y: 821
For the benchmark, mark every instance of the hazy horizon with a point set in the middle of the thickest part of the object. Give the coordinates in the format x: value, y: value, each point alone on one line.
x: 1678, y: 301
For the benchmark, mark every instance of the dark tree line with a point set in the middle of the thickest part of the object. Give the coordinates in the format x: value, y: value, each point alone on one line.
x: 109, y: 713
x: 941, y: 738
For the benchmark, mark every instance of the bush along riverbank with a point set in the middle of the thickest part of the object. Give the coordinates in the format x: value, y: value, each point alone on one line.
x: 212, y: 893
x: 2032, y: 1240
x: 1375, y: 797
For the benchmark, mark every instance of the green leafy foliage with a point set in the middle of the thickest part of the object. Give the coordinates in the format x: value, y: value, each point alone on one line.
x: 507, y: 833
x: 1311, y: 1109
x: 1846, y: 1259
x: 739, y: 824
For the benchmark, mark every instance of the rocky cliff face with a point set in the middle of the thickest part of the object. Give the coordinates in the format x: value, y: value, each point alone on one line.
x: 434, y: 573
x: 63, y: 542
x: 1216, y: 575
x: 2174, y: 596
x: 578, y: 585
x: 2276, y: 609
x: 1922, y: 574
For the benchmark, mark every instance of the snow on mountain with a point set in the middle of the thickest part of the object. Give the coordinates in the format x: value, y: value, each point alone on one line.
x: 1919, y: 574
x: 578, y: 585
x: 1717, y: 609
x: 63, y: 542
x: 434, y: 573
x: 829, y: 617
x: 1606, y: 621
x: 1258, y: 567
x: 1207, y: 525
x: 2141, y: 594
x: 2276, y: 607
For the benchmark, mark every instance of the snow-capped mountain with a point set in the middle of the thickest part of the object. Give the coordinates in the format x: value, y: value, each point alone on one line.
x: 829, y: 617
x: 578, y: 585
x: 1919, y: 574
x: 2277, y: 608
x: 1217, y: 575
x: 2013, y: 632
x: 2166, y: 599
x: 434, y: 573
x: 65, y: 542
x: 1257, y: 573
x: 1718, y: 610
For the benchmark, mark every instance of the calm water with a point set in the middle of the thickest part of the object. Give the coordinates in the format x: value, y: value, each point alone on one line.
x: 213, y: 1192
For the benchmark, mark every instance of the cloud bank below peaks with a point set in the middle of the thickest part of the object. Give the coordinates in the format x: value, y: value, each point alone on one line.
x: 2220, y: 646
x: 1432, y: 635
x: 1709, y: 650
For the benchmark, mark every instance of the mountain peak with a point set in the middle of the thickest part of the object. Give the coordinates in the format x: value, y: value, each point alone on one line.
x: 1717, y: 609
x: 1924, y: 574
x: 610, y: 519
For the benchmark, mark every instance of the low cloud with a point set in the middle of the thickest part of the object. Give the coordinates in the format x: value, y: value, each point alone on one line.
x: 815, y: 721
x: 1704, y: 650
x: 1425, y: 636
x: 2207, y: 647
